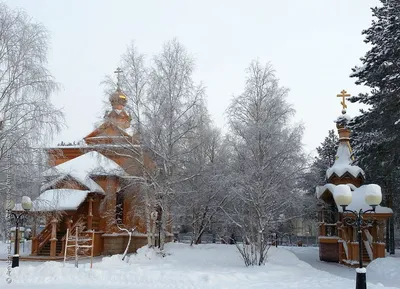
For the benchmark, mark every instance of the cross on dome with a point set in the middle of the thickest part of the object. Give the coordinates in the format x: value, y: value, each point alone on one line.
x: 118, y: 98
x: 343, y: 94
x: 118, y: 71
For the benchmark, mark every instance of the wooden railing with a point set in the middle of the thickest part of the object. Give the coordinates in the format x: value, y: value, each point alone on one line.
x: 40, y: 240
x: 369, y: 244
x: 79, y: 223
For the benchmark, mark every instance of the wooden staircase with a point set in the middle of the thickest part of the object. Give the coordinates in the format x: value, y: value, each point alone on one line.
x: 45, y: 250
x: 41, y: 244
x: 365, y: 256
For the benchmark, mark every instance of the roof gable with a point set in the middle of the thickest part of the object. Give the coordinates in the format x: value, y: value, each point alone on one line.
x: 107, y: 129
x: 83, y: 167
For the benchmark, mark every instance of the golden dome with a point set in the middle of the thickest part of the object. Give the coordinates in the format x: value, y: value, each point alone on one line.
x: 118, y: 99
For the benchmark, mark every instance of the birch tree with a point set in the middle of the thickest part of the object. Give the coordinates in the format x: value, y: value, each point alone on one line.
x: 172, y: 116
x: 133, y: 83
x: 205, y: 192
x: 28, y: 120
x: 166, y: 108
x: 267, y: 159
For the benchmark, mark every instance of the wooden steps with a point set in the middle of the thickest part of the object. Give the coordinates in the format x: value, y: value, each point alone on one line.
x: 45, y: 251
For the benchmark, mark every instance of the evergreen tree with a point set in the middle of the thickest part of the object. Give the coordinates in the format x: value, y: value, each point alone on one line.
x: 316, y: 175
x: 375, y: 131
x: 326, y: 154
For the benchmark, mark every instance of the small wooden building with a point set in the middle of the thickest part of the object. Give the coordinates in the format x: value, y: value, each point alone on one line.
x: 338, y: 240
x: 90, y: 186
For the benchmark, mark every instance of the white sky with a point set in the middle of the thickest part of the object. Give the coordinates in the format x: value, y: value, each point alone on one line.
x: 312, y: 44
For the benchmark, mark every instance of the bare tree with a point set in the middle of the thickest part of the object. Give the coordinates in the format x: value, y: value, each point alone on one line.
x: 28, y: 119
x: 166, y: 108
x: 133, y: 83
x: 266, y: 160
x: 174, y: 109
x: 202, y: 196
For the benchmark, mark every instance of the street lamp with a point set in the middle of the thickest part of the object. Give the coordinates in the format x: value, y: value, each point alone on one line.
x: 26, y: 205
x: 373, y: 197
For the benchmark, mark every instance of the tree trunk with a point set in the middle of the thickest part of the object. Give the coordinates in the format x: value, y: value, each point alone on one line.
x: 163, y: 227
x: 387, y: 239
x: 147, y: 217
x: 391, y: 239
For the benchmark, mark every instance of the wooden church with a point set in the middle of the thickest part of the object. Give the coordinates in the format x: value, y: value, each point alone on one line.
x: 89, y: 186
x: 338, y: 240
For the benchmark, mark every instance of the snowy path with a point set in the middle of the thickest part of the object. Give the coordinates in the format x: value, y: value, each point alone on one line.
x: 310, y: 256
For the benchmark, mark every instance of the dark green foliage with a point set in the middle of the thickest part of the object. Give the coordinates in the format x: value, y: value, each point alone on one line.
x: 376, y: 134
x: 316, y: 175
x: 376, y: 138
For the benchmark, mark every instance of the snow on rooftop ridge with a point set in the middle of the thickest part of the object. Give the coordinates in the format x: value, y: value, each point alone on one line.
x: 93, y: 163
x: 59, y: 200
x: 82, y: 167
x: 358, y: 197
x: 358, y: 201
x: 343, y: 163
x: 52, y: 183
x: 344, y: 117
x: 340, y: 170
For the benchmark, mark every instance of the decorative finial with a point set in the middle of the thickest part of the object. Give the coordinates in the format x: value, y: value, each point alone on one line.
x: 343, y: 94
x: 118, y: 72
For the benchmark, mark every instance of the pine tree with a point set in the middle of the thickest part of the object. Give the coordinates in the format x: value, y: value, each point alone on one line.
x: 375, y: 131
x: 326, y: 154
x: 316, y: 175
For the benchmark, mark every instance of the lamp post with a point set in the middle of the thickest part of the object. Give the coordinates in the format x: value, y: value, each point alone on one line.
x: 158, y: 222
x: 26, y: 205
x: 373, y: 197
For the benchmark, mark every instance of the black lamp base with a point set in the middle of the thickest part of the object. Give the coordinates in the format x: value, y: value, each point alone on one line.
x: 361, y: 281
x: 15, y: 261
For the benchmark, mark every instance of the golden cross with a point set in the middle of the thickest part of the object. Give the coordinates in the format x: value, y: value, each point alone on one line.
x: 343, y: 94
x: 118, y: 72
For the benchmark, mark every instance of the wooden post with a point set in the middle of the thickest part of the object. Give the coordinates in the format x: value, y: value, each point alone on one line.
x: 339, y: 229
x: 66, y: 246
x: 90, y: 215
x: 76, y: 246
x: 91, y: 255
x: 34, y: 231
x: 68, y: 222
x: 322, y: 230
x: 53, y: 240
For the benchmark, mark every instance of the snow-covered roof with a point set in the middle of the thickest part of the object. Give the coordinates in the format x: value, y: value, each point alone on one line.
x: 358, y: 197
x: 60, y: 200
x: 343, y: 163
x: 130, y: 130
x: 52, y: 183
x: 84, y: 166
x: 56, y: 200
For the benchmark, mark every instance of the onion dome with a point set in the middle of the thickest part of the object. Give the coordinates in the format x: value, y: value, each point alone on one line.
x: 118, y: 99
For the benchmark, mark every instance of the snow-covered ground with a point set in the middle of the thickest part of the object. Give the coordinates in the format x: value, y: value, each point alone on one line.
x: 384, y: 271
x: 203, y: 266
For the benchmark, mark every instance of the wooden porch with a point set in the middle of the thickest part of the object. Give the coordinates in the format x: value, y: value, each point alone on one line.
x: 50, y: 242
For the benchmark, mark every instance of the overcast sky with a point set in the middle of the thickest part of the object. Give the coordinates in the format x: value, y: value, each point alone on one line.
x: 312, y: 44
